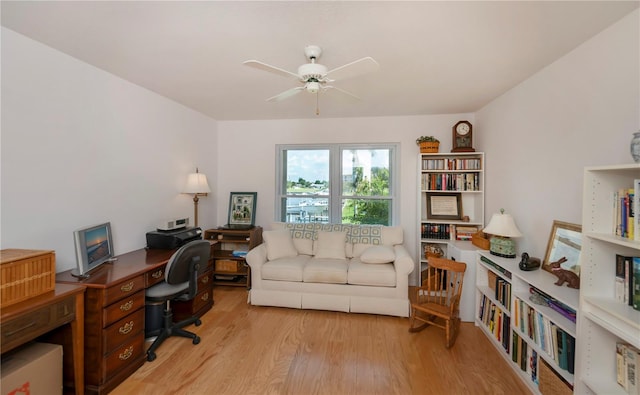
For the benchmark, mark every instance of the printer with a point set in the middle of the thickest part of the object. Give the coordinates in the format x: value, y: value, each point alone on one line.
x: 170, y: 239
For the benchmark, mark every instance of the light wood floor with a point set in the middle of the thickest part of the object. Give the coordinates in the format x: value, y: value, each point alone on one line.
x: 267, y: 350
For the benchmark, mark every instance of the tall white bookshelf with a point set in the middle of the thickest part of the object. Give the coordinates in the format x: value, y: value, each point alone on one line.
x: 603, y: 321
x: 447, y: 174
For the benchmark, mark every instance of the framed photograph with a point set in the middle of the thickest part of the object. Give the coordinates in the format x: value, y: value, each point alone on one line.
x: 565, y: 244
x: 242, y: 208
x: 444, y: 206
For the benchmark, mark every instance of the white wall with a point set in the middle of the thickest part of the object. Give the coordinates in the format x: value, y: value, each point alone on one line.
x: 579, y: 111
x: 81, y: 146
x: 247, y: 154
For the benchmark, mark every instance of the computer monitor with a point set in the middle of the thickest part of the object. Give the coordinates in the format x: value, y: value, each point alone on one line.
x: 94, y: 246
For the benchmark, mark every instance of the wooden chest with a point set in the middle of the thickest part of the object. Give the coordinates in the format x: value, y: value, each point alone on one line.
x: 25, y: 274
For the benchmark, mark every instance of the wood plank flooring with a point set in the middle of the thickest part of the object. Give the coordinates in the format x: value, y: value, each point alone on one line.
x: 267, y: 350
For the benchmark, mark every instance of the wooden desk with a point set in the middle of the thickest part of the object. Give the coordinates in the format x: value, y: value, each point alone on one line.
x: 115, y: 313
x: 25, y: 321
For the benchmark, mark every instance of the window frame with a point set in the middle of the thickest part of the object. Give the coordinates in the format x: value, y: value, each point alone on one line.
x: 336, y: 195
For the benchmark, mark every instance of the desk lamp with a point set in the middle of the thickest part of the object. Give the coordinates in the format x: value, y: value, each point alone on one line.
x: 502, y: 228
x: 198, y: 186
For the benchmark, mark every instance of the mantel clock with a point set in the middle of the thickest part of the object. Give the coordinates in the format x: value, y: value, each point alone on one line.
x: 462, y: 137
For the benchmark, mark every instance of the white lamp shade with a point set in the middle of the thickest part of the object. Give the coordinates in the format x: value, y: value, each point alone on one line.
x: 502, y: 225
x: 197, y: 183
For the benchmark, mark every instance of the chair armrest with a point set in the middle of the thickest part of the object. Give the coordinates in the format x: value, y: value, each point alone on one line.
x: 404, y: 263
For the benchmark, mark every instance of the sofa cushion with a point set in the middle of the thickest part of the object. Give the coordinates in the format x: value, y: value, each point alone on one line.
x: 330, y: 245
x: 378, y: 254
x: 381, y: 275
x: 285, y: 269
x: 333, y: 271
x: 302, y: 234
x: 279, y: 244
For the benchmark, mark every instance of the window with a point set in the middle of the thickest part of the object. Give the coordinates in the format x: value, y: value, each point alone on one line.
x: 336, y: 183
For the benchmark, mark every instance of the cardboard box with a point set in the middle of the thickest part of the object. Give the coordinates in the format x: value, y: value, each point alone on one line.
x: 32, y: 370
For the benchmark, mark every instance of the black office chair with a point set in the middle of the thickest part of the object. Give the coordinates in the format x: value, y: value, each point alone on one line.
x: 180, y: 283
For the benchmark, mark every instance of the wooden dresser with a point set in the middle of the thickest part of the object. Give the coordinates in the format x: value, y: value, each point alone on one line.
x: 114, y: 316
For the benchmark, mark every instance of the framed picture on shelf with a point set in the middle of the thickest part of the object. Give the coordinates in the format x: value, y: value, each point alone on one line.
x: 564, y: 246
x: 444, y: 206
x: 242, y: 208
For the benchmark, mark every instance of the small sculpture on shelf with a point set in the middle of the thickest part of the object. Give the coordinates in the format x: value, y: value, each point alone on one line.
x: 528, y: 263
x: 564, y: 276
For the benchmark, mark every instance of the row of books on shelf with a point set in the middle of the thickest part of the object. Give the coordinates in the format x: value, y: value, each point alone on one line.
x: 496, y: 320
x: 524, y: 356
x: 554, y: 304
x: 502, y: 290
x: 627, y: 360
x: 447, y: 231
x: 452, y: 164
x: 627, y: 287
x: 450, y: 182
x: 553, y: 340
x: 626, y: 206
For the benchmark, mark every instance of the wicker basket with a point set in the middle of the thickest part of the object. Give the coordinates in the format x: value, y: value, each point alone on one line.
x: 25, y: 274
x: 429, y: 147
x: 550, y: 382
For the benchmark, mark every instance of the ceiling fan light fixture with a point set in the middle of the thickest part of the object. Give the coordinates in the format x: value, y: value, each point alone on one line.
x: 313, y: 87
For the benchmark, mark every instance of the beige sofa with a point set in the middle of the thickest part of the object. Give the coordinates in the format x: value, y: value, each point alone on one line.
x: 350, y: 268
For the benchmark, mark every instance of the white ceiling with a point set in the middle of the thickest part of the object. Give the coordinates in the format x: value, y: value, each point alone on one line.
x: 435, y: 57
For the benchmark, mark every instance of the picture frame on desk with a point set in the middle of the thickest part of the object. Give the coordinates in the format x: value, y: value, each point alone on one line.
x: 242, y: 208
x: 444, y: 206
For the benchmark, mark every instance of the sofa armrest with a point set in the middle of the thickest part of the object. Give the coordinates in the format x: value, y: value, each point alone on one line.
x: 404, y: 263
x: 257, y: 257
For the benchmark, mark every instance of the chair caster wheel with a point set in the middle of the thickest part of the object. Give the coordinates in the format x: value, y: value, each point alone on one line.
x: 198, y: 322
x: 151, y: 356
x: 196, y: 340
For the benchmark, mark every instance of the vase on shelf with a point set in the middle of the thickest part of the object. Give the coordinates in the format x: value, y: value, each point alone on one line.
x: 635, y: 147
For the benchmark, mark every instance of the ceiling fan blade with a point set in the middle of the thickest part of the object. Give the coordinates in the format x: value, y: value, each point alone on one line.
x: 272, y: 69
x: 354, y: 69
x: 286, y: 94
x: 342, y: 91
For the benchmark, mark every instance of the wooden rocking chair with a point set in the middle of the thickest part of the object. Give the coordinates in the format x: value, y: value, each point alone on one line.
x: 437, y: 301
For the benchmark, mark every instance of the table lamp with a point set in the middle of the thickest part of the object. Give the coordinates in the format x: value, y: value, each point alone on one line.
x: 502, y: 228
x: 198, y: 186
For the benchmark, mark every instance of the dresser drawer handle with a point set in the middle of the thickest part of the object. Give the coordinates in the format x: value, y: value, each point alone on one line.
x: 126, y: 328
x: 127, y: 287
x: 126, y: 354
x: 157, y: 274
x: 205, y: 297
x: 7, y: 334
x: 127, y: 306
x: 205, y: 279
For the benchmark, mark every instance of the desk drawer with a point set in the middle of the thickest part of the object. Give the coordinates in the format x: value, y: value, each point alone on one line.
x: 124, y: 330
x: 123, y: 308
x: 123, y: 355
x: 40, y: 321
x: 154, y: 277
x: 123, y: 289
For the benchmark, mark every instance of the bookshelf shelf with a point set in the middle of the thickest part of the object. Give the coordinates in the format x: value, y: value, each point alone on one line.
x: 603, y: 321
x: 530, y: 323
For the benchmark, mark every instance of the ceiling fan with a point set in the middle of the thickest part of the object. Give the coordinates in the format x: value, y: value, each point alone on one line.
x: 315, y: 77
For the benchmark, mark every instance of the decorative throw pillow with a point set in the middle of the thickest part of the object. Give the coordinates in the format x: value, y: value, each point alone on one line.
x: 378, y: 254
x: 279, y: 244
x: 331, y: 245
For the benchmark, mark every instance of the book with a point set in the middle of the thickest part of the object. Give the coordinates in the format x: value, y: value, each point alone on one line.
x: 630, y: 214
x: 619, y: 287
x: 636, y: 283
x: 636, y: 209
x: 562, y: 349
x: 571, y: 353
x: 632, y: 359
x: 621, y: 364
